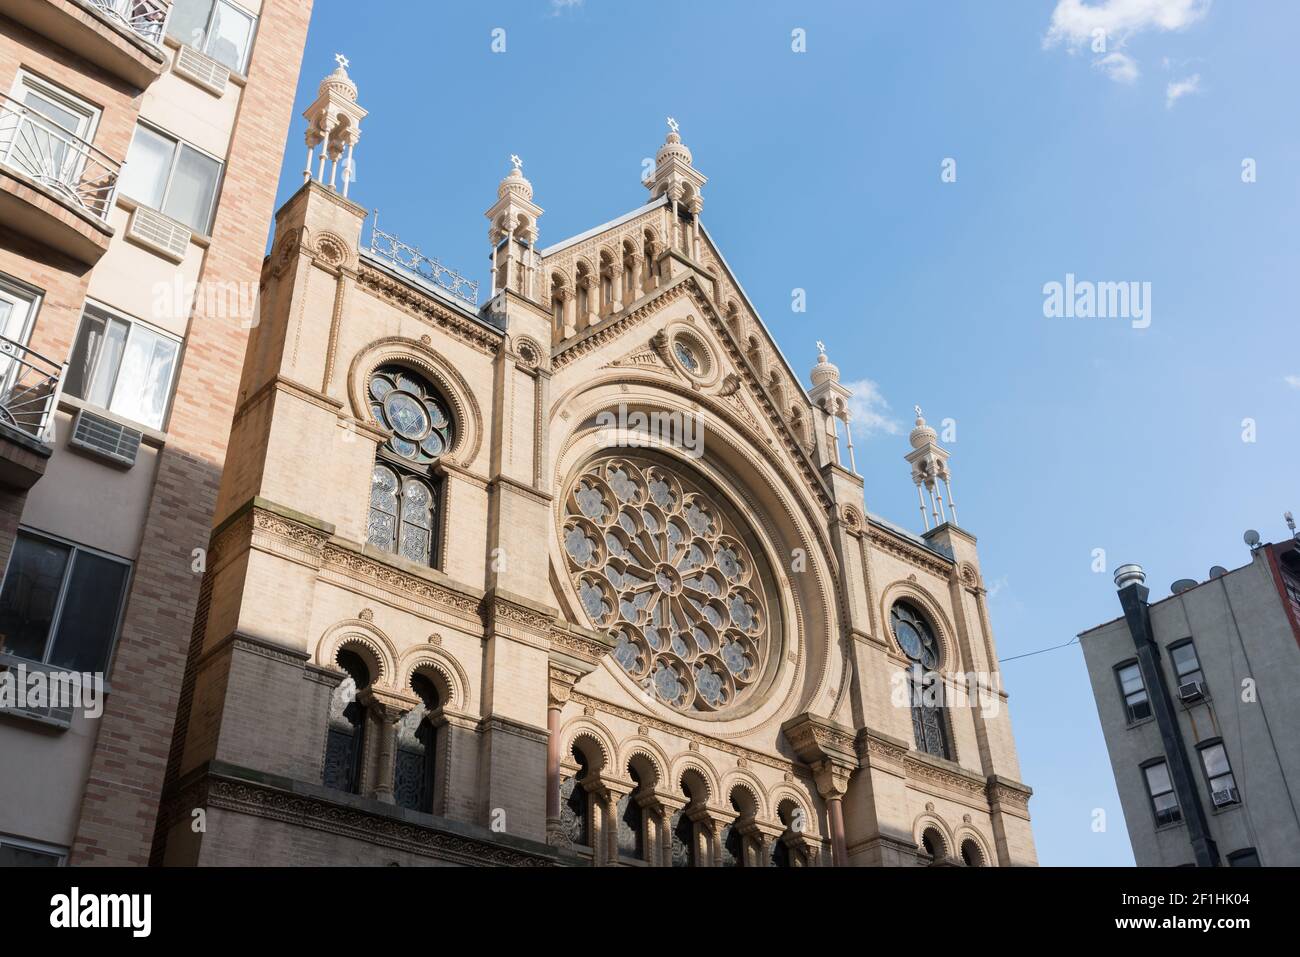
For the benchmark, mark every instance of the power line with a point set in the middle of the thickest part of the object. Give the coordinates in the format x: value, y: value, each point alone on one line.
x: 1040, y: 651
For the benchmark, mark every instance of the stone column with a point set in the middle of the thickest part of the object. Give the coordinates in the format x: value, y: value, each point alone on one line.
x: 828, y: 749
x: 593, y: 300
x: 558, y: 692
x: 386, y: 710
x: 634, y: 274
x: 616, y: 287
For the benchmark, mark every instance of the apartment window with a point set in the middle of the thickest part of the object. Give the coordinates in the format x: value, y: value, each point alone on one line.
x: 171, y: 176
x: 1164, y: 803
x: 123, y: 366
x: 47, y: 142
x: 1187, y: 667
x: 18, y: 305
x: 1246, y: 857
x: 1218, y: 774
x: 1136, y: 702
x: 221, y: 30
x: 16, y: 853
x: 60, y: 603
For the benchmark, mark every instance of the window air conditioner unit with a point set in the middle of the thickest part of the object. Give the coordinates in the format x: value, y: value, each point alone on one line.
x: 1192, y: 691
x: 105, y: 438
x: 54, y: 717
x: 160, y: 233
x: 1225, y: 797
x: 202, y: 70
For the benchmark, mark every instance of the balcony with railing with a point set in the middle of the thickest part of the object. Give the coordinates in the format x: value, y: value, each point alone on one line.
x: 30, y: 385
x: 124, y: 37
x: 54, y: 186
x: 409, y: 259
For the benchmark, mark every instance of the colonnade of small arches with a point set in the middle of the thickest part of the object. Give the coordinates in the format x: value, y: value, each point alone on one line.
x: 634, y: 807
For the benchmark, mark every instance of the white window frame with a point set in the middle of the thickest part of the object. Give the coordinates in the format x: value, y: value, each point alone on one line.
x: 24, y: 82
x: 57, y: 614
x: 109, y: 314
x: 157, y: 130
x: 242, y: 69
x: 53, y: 850
x: 23, y: 294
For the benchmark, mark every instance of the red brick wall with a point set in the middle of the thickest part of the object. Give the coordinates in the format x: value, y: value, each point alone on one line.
x: 121, y: 799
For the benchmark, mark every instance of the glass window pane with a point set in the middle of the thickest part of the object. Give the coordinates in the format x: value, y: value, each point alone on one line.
x: 144, y: 177
x: 1131, y: 679
x: 229, y: 38
x: 106, y: 362
x: 194, y: 184
x: 144, y: 381
x: 1158, y: 779
x: 1216, y: 760
x: 88, y: 620
x: 11, y: 856
x: 189, y: 21
x: 31, y: 590
x: 1185, y: 659
x: 81, y: 364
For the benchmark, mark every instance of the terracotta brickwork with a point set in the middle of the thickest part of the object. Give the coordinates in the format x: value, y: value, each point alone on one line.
x: 121, y: 801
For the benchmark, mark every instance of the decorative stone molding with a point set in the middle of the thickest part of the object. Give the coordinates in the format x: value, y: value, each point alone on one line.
x: 363, y: 569
x: 468, y: 436
x: 438, y: 839
x: 692, y: 737
x: 827, y: 748
x: 893, y: 545
x: 425, y: 307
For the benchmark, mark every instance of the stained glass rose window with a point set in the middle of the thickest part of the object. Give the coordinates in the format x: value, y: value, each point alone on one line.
x: 405, y: 405
x: 655, y: 561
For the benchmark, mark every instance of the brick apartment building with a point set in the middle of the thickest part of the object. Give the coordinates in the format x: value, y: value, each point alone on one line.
x: 135, y: 199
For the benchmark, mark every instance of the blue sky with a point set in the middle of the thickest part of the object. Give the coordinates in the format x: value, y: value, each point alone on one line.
x: 1071, y: 434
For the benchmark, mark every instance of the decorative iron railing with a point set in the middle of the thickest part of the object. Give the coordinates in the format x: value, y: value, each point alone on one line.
x: 145, y: 18
x: 391, y: 249
x: 66, y: 165
x: 30, y: 385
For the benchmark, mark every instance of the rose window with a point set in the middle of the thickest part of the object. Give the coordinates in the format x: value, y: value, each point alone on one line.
x: 654, y: 562
x: 414, y: 414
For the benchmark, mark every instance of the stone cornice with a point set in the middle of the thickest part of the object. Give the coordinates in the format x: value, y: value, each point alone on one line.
x: 912, y: 554
x: 235, y: 790
x: 426, y: 308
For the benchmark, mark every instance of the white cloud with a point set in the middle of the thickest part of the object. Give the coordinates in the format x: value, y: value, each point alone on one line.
x: 1106, y: 26
x: 1292, y: 380
x: 995, y: 586
x: 559, y: 6
x: 1120, y: 67
x: 869, y: 413
x: 1075, y: 23
x: 1176, y: 91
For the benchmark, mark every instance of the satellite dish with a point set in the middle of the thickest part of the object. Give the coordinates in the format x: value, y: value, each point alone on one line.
x: 1218, y: 571
x: 1182, y: 585
x: 1251, y: 537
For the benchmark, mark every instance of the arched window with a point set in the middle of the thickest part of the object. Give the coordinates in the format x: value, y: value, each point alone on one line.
x: 345, y: 739
x: 971, y: 855
x: 574, y: 803
x: 784, y: 851
x: 933, y: 846
x: 404, y: 493
x: 413, y: 764
x: 925, y: 685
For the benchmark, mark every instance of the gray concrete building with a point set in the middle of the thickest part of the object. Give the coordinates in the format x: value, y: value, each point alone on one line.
x: 1197, y: 696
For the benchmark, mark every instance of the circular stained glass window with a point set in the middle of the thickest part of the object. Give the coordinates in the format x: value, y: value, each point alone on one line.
x: 413, y: 412
x: 914, y: 636
x: 655, y: 561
